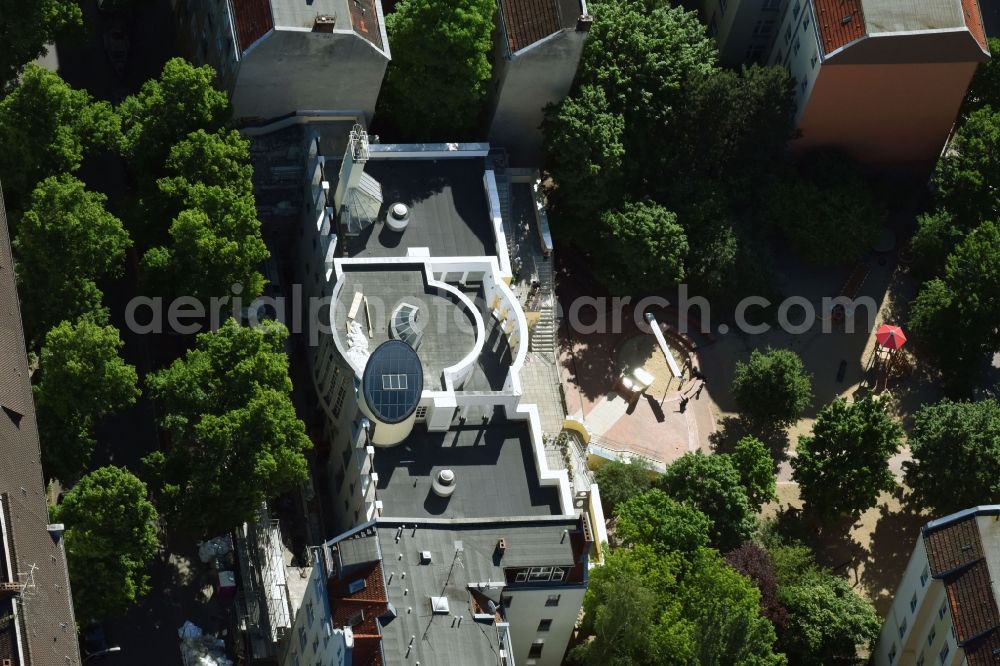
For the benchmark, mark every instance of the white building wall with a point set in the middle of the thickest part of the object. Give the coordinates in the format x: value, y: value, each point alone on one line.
x: 313, y: 639
x: 743, y: 29
x: 797, y: 48
x: 526, y: 610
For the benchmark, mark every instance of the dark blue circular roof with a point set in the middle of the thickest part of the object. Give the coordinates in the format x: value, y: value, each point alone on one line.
x: 393, y: 381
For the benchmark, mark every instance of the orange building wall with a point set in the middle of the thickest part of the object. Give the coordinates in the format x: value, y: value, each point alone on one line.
x: 885, y: 114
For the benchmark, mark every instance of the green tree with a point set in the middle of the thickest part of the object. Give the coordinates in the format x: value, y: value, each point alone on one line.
x: 46, y: 128
x: 956, y: 455
x: 756, y: 467
x: 937, y: 234
x: 110, y: 541
x: 955, y: 318
x: 436, y: 85
x: 843, y: 218
x: 985, y: 87
x: 619, y: 480
x: 712, y: 485
x: 965, y: 176
x: 645, y: 247
x: 167, y: 109
x: 83, y: 379
x: 235, y: 440
x: 65, y: 242
x: 844, y: 465
x: 773, y: 387
x: 656, y: 520
x: 827, y: 620
x: 643, y: 609
x: 26, y: 28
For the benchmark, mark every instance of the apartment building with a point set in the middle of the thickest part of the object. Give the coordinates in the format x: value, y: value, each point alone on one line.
x: 537, y: 48
x: 945, y: 610
x: 881, y: 79
x: 37, y: 626
x: 430, y: 466
x: 276, y: 57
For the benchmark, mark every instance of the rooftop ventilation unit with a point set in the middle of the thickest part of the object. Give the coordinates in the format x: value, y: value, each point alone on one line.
x: 425, y: 557
x: 325, y: 22
x: 398, y: 217
x: 444, y: 483
x: 439, y: 605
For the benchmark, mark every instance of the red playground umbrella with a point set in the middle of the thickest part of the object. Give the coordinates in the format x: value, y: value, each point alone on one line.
x: 890, y: 337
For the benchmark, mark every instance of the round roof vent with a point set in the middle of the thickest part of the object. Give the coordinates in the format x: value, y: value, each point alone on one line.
x: 444, y: 483
x: 398, y: 217
x: 393, y: 381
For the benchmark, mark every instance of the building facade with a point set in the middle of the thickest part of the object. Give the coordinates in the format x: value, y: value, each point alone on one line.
x: 880, y: 79
x: 537, y: 48
x: 945, y: 609
x: 282, y: 56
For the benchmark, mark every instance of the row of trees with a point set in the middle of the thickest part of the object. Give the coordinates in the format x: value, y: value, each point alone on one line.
x: 667, y: 167
x: 233, y: 437
x: 957, y: 246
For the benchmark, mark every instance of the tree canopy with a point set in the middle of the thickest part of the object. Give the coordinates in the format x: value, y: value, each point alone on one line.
x: 26, y: 28
x: 235, y: 440
x: 956, y: 455
x: 955, y: 317
x: 46, y: 128
x: 65, y: 242
x: 712, y: 485
x: 965, y: 176
x: 83, y: 378
x: 699, y: 140
x: 772, y: 387
x: 984, y: 90
x: 648, y: 609
x: 656, y: 520
x: 165, y: 110
x: 843, y: 466
x: 618, y: 481
x: 754, y: 562
x: 110, y: 541
x: 844, y: 217
x: 435, y: 88
x: 756, y: 467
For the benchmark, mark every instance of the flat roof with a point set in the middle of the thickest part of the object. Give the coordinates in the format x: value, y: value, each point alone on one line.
x: 494, y: 469
x: 449, y: 330
x: 449, y: 212
x: 38, y: 561
x: 909, y: 15
x: 462, y: 556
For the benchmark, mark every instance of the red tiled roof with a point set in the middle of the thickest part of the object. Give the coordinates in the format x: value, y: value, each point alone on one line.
x: 954, y: 546
x: 973, y: 608
x: 984, y: 651
x: 364, y: 18
x: 252, y: 19
x: 974, y: 21
x: 371, y: 601
x: 840, y: 22
x: 528, y: 21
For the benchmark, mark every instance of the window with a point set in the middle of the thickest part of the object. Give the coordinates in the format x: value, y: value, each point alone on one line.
x: 814, y: 60
x: 892, y: 653
x: 902, y: 628
x: 797, y: 9
x: 722, y: 6
x: 421, y: 413
x: 302, y: 638
x: 310, y: 614
x: 920, y: 662
x: 805, y: 22
x: 944, y: 653
x: 772, y: 5
x: 943, y: 609
x: 713, y: 27
x: 798, y: 44
x: 804, y: 85
x: 544, y: 625
x: 553, y: 600
x: 536, y: 650
x: 754, y: 53
x: 339, y: 402
x: 923, y: 577
x: 394, y: 382
x: 788, y: 34
x: 931, y: 636
x: 913, y: 602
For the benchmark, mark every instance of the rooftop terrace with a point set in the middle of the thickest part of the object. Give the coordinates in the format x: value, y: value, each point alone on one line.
x: 494, y: 472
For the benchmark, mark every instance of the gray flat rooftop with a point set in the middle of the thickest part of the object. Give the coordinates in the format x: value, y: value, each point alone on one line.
x: 449, y: 213
x: 905, y: 15
x: 494, y: 473
x: 449, y: 331
x: 461, y: 555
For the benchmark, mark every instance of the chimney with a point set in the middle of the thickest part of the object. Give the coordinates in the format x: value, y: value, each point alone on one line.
x: 324, y: 22
x: 583, y: 23
x: 56, y: 531
x: 353, y: 166
x: 502, y: 546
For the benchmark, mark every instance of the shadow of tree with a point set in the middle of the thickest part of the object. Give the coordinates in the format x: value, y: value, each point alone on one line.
x: 734, y: 428
x: 831, y: 541
x: 890, y: 548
